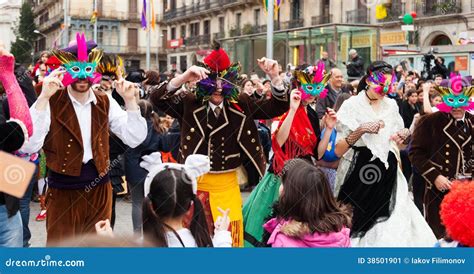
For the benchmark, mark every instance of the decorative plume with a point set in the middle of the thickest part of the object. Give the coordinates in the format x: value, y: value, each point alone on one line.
x: 218, y: 60
x: 312, y: 81
x: 458, y: 94
x: 81, y: 47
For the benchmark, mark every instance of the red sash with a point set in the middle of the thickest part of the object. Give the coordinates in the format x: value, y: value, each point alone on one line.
x: 301, y: 140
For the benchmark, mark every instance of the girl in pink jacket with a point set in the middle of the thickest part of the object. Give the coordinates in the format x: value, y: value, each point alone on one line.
x: 307, y: 215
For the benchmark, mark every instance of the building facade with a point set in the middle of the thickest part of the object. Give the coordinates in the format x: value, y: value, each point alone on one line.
x: 188, y: 27
x: 118, y: 28
x: 303, y: 29
x: 438, y: 27
x: 9, y: 15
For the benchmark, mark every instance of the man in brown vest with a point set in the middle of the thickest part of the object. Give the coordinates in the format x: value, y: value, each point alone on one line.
x: 71, y: 123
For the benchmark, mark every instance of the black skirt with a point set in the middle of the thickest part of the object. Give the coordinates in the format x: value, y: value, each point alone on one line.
x: 368, y: 188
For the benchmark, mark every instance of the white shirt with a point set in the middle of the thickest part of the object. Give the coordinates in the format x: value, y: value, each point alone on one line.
x: 129, y: 126
x: 213, y: 107
x: 221, y: 239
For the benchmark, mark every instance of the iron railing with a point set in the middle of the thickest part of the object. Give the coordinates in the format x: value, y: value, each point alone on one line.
x: 436, y: 8
x: 200, y: 7
x: 321, y: 19
x: 358, y: 16
x: 204, y: 39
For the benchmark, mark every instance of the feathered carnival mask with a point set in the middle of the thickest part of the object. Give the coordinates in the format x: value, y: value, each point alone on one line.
x: 223, y: 74
x: 80, y: 60
x: 312, y: 81
x: 382, y: 84
x: 457, y: 94
x: 111, y: 67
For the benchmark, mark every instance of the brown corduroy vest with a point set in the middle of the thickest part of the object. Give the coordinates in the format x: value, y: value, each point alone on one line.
x: 63, y: 144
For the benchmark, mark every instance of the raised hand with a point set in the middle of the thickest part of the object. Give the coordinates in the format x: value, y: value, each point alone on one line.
x: 7, y: 62
x: 126, y: 89
x: 52, y: 83
x: 426, y: 87
x: 295, y: 99
x: 330, y: 118
x: 269, y: 66
x: 222, y: 222
x: 192, y: 74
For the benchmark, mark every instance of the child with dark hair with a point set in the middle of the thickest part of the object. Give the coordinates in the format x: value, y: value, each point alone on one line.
x: 307, y: 212
x: 298, y: 135
x: 170, y: 191
x: 170, y: 195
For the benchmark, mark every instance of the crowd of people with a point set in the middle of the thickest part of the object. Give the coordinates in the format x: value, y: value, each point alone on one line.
x: 380, y: 158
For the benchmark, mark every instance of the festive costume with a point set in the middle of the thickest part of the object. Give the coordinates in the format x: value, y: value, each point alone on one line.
x: 370, y: 179
x: 301, y: 143
x: 228, y: 136
x: 450, y: 153
x: 79, y: 62
x: 75, y: 139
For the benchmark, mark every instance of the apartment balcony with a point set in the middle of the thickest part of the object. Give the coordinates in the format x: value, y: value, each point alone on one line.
x: 198, y: 40
x: 201, y: 8
x: 292, y: 24
x: 51, y: 23
x: 394, y: 12
x: 358, y: 16
x: 235, y: 32
x: 438, y: 8
x: 218, y: 35
x: 322, y: 19
x: 44, y: 5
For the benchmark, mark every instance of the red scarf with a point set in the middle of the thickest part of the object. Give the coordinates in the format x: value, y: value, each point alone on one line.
x: 301, y: 140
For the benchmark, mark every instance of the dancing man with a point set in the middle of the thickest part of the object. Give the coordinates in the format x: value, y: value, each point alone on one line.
x: 72, y: 124
x: 219, y: 122
x: 442, y: 147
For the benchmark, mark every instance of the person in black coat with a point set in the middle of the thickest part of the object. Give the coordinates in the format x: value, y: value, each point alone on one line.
x: 440, y: 68
x: 355, y: 68
x: 409, y: 107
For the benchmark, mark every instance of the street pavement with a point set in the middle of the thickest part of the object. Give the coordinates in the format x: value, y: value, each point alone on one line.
x: 123, y: 223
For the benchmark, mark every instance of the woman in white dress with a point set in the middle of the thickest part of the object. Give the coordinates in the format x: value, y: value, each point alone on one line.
x: 369, y: 177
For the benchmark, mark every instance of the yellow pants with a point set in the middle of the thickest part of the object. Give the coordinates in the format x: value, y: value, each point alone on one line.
x: 224, y: 192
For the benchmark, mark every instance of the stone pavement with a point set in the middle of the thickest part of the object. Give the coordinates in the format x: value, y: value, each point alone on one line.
x: 123, y: 223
